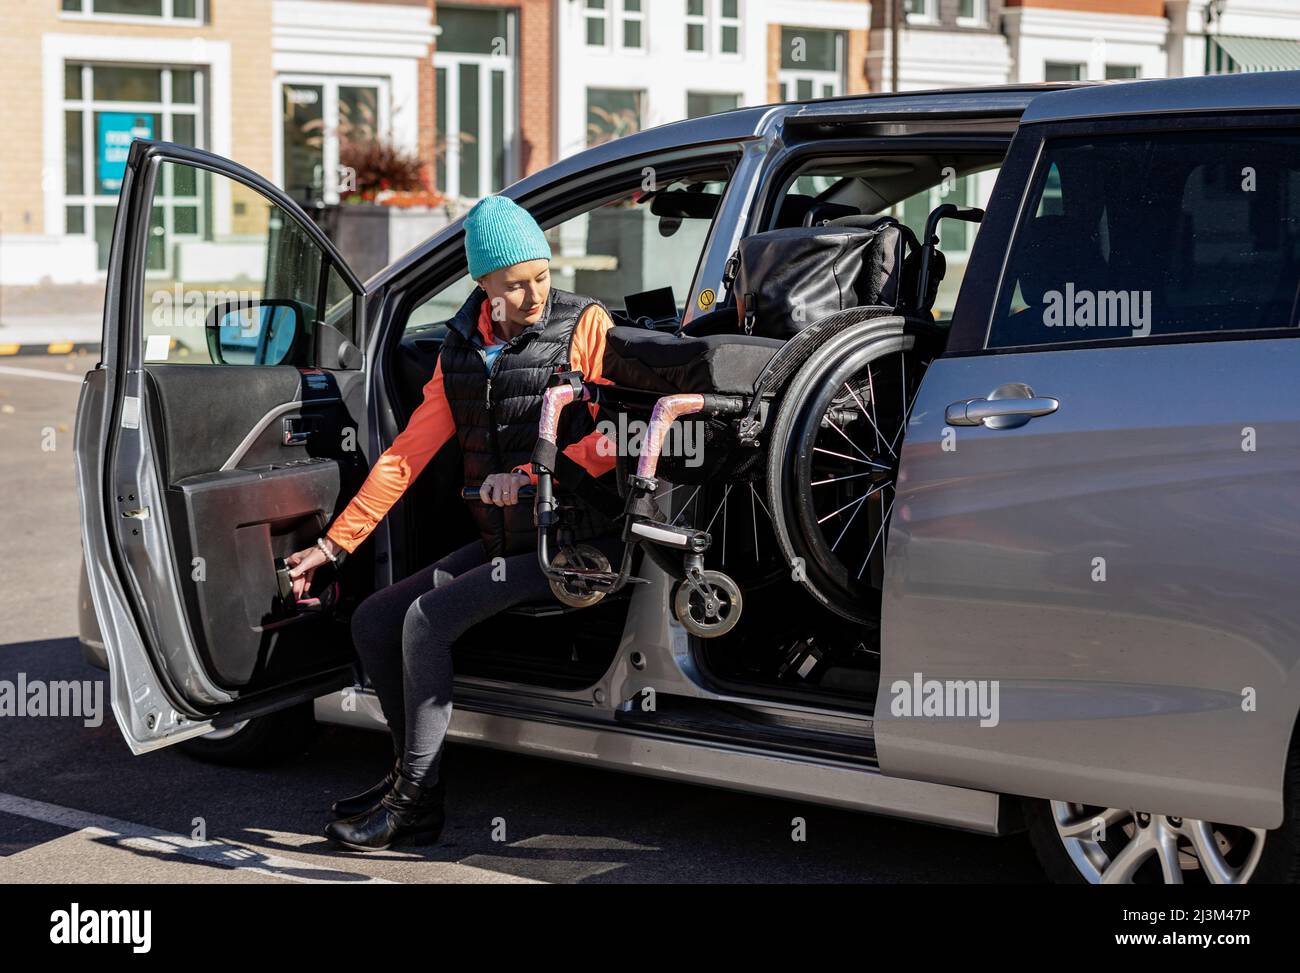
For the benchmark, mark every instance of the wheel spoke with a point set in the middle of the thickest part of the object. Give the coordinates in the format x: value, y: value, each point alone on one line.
x: 884, y: 523
x: 1082, y: 827
x: 685, y: 506
x: 836, y: 426
x: 822, y: 520
x: 1124, y: 866
x: 870, y: 418
x: 1206, y: 848
x: 854, y: 459
x: 1166, y: 845
x: 850, y: 521
x: 839, y: 479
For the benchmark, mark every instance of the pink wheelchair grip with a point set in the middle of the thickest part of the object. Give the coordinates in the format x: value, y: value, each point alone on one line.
x: 666, y: 410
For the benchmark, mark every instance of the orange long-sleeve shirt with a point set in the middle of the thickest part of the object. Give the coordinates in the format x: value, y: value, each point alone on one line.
x: 432, y: 425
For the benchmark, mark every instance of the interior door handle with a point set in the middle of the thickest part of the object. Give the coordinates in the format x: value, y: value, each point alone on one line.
x: 297, y: 430
x: 1007, y: 407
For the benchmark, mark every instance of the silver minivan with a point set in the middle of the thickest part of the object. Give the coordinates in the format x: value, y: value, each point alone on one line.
x: 1081, y: 617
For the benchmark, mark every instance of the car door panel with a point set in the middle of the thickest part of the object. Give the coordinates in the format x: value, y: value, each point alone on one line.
x: 196, y: 477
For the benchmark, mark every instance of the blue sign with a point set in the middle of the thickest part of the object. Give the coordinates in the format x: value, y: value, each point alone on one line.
x: 116, y: 131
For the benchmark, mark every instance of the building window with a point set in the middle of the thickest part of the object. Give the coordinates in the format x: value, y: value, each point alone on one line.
x: 812, y: 63
x: 696, y: 25
x: 921, y: 10
x: 475, y: 114
x: 729, y: 26
x: 699, y: 103
x: 972, y: 12
x: 613, y: 113
x: 320, y: 114
x: 1061, y: 71
x: 188, y: 11
x: 105, y: 108
x: 597, y: 23
x: 1120, y: 72
x: 632, y: 34
x: 618, y: 21
x: 717, y: 18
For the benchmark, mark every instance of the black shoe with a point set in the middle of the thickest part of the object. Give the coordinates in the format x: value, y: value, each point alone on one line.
x: 407, y: 814
x: 350, y: 807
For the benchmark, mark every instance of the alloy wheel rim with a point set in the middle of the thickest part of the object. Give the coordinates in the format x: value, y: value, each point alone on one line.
x: 1122, y: 846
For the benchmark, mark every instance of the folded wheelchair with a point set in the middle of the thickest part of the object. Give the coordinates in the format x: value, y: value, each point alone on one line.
x: 763, y: 441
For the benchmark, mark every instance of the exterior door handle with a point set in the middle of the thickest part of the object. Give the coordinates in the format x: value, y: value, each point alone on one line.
x: 1007, y: 407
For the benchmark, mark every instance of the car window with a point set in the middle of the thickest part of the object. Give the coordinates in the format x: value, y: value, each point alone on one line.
x: 640, y: 241
x: 231, y: 278
x: 1136, y: 236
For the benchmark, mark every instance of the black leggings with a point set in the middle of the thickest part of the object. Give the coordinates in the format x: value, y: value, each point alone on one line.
x: 404, y: 635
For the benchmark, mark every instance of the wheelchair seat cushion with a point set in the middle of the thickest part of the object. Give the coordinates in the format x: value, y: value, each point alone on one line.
x: 654, y: 361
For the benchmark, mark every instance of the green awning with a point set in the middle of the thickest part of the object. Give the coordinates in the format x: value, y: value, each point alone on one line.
x: 1231, y: 55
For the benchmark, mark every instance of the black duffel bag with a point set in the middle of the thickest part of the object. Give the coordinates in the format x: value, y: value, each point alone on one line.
x: 787, y: 279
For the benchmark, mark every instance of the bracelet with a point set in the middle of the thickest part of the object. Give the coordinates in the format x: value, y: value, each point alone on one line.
x: 334, y: 559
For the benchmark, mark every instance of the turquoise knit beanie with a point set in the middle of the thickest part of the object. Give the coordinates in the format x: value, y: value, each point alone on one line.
x: 499, y: 232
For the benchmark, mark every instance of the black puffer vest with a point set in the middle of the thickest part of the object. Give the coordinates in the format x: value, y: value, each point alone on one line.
x: 497, y: 415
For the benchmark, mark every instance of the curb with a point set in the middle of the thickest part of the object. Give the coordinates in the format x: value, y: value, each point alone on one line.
x: 50, y: 348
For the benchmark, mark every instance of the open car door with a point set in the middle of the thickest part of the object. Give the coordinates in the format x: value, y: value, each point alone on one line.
x: 217, y: 435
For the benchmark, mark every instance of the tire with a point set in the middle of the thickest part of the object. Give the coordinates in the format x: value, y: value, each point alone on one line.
x: 866, y: 376
x: 1076, y: 861
x: 261, y: 740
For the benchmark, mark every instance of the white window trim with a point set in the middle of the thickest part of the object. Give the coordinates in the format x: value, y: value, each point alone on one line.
x: 981, y: 18
x: 589, y: 14
x: 510, y: 127
x: 736, y: 22
x: 57, y: 49
x: 696, y: 20
x: 930, y: 16
x: 615, y: 15
x: 624, y: 15
x: 166, y: 17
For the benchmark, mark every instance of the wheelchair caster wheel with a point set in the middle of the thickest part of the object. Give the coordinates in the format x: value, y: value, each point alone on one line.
x: 708, y: 604
x: 573, y: 593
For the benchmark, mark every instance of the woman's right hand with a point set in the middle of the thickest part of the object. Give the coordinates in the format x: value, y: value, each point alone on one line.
x: 303, y: 564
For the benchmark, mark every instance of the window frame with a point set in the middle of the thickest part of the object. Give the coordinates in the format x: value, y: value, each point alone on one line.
x: 979, y: 19
x: 87, y: 12
x: 837, y: 78
x: 700, y: 20
x: 928, y: 15
x: 167, y: 108
x: 973, y: 317
x: 329, y: 85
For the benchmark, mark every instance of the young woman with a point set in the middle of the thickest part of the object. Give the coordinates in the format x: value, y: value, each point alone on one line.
x: 512, y: 333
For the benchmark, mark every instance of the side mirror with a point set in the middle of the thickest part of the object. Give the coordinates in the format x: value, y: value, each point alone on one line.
x: 257, y: 332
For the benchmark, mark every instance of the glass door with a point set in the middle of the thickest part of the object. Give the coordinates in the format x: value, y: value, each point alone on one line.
x: 476, y: 103
x: 318, y: 115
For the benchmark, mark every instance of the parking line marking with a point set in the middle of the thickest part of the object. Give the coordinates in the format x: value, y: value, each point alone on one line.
x: 139, y: 837
x: 37, y: 373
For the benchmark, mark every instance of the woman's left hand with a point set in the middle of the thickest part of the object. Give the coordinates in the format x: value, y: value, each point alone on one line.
x: 502, y: 489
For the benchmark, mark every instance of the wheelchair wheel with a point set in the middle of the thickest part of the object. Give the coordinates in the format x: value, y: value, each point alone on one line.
x: 833, y: 458
x: 710, y: 607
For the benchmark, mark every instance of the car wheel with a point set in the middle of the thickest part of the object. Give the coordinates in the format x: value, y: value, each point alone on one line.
x: 1078, y: 843
x: 261, y: 740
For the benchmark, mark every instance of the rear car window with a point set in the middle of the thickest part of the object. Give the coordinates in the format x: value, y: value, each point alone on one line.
x: 1147, y: 235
